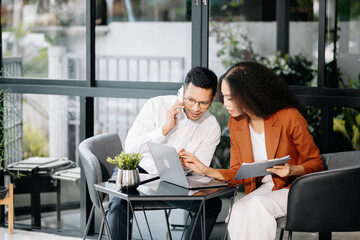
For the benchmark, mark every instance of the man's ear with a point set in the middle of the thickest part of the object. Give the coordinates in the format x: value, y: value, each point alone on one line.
x: 213, y: 99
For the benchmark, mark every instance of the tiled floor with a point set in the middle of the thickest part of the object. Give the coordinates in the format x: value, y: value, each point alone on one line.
x: 71, y: 222
x: 26, y: 235
x: 32, y: 235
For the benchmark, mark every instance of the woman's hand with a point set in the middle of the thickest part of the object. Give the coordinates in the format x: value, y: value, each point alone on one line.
x: 191, y: 161
x: 287, y: 170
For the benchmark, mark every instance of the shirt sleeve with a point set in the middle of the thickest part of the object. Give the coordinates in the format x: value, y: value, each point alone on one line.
x: 206, y: 149
x: 303, y: 140
x: 145, y: 128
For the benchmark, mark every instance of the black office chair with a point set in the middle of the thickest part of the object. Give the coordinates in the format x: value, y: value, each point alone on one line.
x: 327, y: 201
x: 93, y: 154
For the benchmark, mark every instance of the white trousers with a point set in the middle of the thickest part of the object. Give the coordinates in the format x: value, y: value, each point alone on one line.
x: 253, y: 216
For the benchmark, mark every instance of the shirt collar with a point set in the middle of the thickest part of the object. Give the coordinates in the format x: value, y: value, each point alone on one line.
x: 183, y: 117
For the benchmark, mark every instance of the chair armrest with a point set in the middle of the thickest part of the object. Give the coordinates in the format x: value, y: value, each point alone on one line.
x: 325, y: 201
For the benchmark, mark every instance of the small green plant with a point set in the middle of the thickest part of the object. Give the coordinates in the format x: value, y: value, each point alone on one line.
x: 126, y: 161
x: 9, y: 113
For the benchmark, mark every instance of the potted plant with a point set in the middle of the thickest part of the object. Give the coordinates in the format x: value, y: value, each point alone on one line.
x: 128, y: 177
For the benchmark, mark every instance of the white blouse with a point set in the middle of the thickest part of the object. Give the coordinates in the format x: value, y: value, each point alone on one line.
x: 259, y: 150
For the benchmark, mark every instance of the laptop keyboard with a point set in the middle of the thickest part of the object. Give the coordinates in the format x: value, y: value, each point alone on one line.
x: 199, y: 178
x: 203, y: 182
x: 195, y: 184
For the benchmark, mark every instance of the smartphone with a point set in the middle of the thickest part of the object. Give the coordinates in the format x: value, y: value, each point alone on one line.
x: 180, y: 94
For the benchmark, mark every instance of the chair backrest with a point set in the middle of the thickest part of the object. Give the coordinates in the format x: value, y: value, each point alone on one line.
x: 327, y: 201
x: 93, y: 154
x: 340, y: 159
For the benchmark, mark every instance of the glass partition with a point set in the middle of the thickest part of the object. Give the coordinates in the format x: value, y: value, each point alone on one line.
x: 47, y: 38
x: 148, y: 41
x: 247, y: 31
x: 116, y: 115
x: 46, y: 127
x: 342, y: 51
x: 240, y: 31
x: 41, y: 126
x: 50, y: 126
x: 302, y: 59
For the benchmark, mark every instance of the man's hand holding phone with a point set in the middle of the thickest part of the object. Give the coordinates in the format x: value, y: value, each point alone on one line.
x: 171, y: 117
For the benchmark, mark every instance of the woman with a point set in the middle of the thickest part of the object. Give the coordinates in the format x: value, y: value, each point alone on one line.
x: 265, y: 123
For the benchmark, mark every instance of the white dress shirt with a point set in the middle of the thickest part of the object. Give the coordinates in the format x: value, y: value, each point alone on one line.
x: 199, y: 137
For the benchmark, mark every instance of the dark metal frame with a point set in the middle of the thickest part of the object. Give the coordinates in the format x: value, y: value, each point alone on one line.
x: 2, y: 182
x: 282, y: 19
x: 113, y: 189
x: 89, y: 88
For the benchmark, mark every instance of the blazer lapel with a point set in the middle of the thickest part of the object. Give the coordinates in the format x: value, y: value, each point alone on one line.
x: 272, y: 136
x: 243, y: 142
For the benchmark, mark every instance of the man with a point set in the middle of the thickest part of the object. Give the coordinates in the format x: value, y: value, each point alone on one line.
x: 184, y: 123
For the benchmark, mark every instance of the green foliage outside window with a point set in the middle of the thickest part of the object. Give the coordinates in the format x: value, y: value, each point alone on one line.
x: 35, y: 142
x: 347, y: 122
x: 37, y: 66
x: 293, y: 70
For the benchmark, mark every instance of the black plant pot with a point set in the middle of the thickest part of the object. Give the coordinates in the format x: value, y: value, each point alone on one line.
x: 3, y: 192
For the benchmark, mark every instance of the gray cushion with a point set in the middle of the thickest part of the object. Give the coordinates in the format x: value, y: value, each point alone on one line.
x: 341, y: 159
x: 93, y: 154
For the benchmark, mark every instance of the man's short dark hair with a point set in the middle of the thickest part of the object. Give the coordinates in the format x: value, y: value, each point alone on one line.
x: 203, y: 78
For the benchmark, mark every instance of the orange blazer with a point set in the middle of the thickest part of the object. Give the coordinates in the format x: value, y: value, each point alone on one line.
x: 286, y: 133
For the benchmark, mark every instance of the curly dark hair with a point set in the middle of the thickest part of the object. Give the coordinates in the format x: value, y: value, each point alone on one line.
x: 258, y: 89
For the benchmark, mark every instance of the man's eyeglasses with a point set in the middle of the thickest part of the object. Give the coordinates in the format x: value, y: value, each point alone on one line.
x: 191, y: 102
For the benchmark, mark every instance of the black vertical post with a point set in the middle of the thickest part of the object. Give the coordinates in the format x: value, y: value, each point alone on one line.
x: 335, y: 37
x: 282, y: 20
x: 325, y: 236
x: 205, y: 33
x: 2, y: 148
x: 2, y: 136
x: 321, y: 46
x: 196, y: 32
x: 326, y: 124
x: 86, y: 130
x: 326, y: 129
x: 87, y: 111
x: 200, y: 33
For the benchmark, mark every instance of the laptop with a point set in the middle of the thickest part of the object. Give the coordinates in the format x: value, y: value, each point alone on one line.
x: 170, y: 169
x: 161, y: 188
